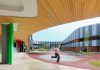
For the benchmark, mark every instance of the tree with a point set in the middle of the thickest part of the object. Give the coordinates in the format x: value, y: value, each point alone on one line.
x: 44, y: 46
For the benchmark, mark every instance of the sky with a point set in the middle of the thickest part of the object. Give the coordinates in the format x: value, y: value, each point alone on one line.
x: 61, y: 32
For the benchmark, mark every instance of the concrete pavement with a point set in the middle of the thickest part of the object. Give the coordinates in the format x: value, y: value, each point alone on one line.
x: 22, y: 61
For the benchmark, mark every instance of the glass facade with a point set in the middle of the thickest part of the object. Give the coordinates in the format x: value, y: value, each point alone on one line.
x: 84, y: 36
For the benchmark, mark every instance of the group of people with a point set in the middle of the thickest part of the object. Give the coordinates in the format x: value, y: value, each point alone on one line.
x: 20, y: 46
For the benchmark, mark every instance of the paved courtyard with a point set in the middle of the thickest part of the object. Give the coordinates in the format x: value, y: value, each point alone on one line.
x: 22, y: 61
x: 62, y: 58
x: 69, y: 60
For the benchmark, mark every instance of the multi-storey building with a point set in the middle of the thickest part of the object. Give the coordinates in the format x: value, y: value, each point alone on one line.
x: 86, y: 38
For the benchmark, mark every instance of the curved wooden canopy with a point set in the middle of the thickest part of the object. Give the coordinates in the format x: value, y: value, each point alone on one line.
x: 52, y: 13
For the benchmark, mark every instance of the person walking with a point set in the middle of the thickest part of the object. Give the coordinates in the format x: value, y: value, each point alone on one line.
x: 57, y: 55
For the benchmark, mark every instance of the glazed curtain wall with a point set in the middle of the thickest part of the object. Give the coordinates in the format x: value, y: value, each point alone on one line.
x: 77, y: 38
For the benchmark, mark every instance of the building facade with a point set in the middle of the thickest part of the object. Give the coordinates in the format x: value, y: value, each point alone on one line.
x: 86, y: 38
x: 46, y: 44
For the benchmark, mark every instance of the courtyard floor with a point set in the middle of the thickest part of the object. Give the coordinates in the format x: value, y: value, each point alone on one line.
x: 22, y: 61
x: 68, y: 59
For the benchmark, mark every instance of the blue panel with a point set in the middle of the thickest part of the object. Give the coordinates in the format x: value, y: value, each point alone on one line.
x: 90, y: 43
x: 69, y: 45
x: 90, y: 30
x: 72, y: 44
x: 76, y: 44
x: 98, y: 42
x: 94, y: 30
x: 80, y: 44
x: 81, y: 32
x: 94, y: 43
x: 78, y: 33
x: 98, y: 29
x: 73, y: 35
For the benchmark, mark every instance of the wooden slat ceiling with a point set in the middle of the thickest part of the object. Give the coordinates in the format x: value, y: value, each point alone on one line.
x: 54, y: 12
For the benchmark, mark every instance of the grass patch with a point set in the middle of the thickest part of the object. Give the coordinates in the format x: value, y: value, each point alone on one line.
x: 95, y: 63
x: 41, y: 49
x: 88, y: 53
x: 83, y: 53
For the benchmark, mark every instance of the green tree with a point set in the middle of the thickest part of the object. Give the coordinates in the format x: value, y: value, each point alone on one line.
x: 44, y: 46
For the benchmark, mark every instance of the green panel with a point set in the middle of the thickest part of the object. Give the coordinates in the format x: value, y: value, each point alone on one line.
x: 10, y: 34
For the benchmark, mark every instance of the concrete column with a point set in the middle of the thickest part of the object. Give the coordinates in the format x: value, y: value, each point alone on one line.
x: 4, y: 43
x: 7, y: 43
